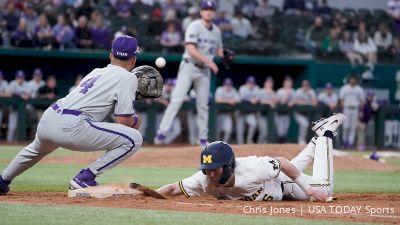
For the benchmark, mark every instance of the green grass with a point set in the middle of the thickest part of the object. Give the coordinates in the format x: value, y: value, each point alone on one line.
x: 53, y: 177
x: 11, y: 214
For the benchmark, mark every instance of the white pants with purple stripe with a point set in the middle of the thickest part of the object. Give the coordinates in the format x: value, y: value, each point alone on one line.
x: 77, y: 133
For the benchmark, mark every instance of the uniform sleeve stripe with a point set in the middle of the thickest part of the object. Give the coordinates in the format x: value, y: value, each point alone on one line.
x: 183, y: 190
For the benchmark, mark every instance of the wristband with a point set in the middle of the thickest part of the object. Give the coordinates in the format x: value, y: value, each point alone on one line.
x: 302, y: 182
x: 135, y: 120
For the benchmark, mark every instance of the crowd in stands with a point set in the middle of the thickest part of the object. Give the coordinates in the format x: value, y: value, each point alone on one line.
x: 248, y: 26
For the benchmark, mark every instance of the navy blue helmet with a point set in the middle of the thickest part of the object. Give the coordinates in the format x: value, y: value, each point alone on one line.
x: 215, y: 155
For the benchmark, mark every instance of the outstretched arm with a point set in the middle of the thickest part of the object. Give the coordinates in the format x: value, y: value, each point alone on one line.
x: 291, y: 171
x: 170, y: 190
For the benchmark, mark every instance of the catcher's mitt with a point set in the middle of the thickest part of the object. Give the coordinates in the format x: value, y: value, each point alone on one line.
x: 228, y: 58
x: 150, y: 82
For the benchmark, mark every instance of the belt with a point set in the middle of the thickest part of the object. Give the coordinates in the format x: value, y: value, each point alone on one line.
x: 351, y: 107
x: 56, y: 108
x: 198, y: 65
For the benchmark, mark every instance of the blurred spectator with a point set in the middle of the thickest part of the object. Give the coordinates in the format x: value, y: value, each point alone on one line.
x: 48, y: 91
x: 123, y: 8
x: 21, y: 37
x: 193, y: 13
x: 84, y: 9
x: 170, y: 17
x: 361, y: 30
x: 395, y: 49
x: 366, y: 113
x: 267, y: 97
x: 248, y: 94
x: 172, y: 6
x: 9, y: 22
x: 31, y: 17
x: 36, y: 82
x: 304, y: 96
x: 365, y: 46
x: 101, y: 35
x: 346, y: 46
x: 4, y: 93
x: 383, y: 38
x: 315, y: 35
x: 77, y: 82
x: 226, y: 94
x: 285, y: 100
x: 18, y: 88
x: 223, y: 24
x: 351, y: 99
x: 241, y: 26
x: 141, y: 11
x: 43, y: 35
x: 296, y: 7
x: 264, y: 10
x: 247, y: 7
x: 171, y: 39
x: 156, y: 25
x: 328, y: 98
x: 393, y: 8
x: 322, y: 8
x: 331, y: 42
x: 63, y: 33
x: 82, y: 34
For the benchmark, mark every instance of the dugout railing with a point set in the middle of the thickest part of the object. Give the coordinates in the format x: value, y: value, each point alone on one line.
x: 151, y: 109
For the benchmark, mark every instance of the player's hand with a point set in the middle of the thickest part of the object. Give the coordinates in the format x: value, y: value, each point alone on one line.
x: 213, y: 67
x: 314, y: 192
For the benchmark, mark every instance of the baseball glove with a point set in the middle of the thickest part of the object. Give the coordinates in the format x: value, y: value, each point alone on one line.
x: 228, y: 58
x: 150, y: 82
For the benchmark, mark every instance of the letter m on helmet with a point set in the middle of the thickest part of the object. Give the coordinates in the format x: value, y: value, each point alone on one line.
x: 207, y: 158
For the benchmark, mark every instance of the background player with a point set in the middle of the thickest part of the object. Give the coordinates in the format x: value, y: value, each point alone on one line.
x: 248, y: 94
x: 202, y: 42
x: 351, y: 98
x: 304, y: 96
x: 79, y: 117
x: 266, y: 96
x: 258, y: 178
x: 4, y: 93
x: 285, y: 99
x: 328, y: 97
x: 226, y: 94
x: 20, y: 88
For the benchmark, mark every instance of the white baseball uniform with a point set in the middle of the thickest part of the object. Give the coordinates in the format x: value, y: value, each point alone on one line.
x: 260, y: 179
x: 225, y: 122
x: 75, y: 122
x: 307, y: 98
x: 17, y: 90
x: 176, y: 127
x: 3, y: 89
x: 208, y: 41
x: 327, y: 99
x: 282, y: 121
x: 246, y: 118
x: 264, y: 95
x: 352, y: 98
x: 34, y: 87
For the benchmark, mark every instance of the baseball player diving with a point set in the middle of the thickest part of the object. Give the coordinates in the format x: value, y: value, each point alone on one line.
x: 75, y: 121
x: 202, y: 42
x: 264, y: 178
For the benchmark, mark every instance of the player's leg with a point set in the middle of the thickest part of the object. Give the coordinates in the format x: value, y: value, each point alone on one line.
x: 120, y: 141
x: 251, y: 121
x: 303, y: 127
x: 12, y: 125
x: 183, y: 84
x: 219, y: 129
x: 305, y: 156
x: 239, y: 127
x: 174, y: 132
x: 143, y: 124
x: 262, y: 129
x: 228, y: 126
x: 202, y: 88
x: 346, y: 127
x: 353, y: 117
x: 285, y: 123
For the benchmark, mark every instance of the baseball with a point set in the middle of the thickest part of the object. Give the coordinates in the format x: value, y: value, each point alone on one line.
x: 160, y: 62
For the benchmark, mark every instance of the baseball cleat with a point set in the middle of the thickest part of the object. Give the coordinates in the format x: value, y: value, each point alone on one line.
x: 331, y: 123
x: 84, y: 179
x: 159, y: 139
x: 4, y: 186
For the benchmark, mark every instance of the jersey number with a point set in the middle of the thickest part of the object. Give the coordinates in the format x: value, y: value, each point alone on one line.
x: 88, y: 84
